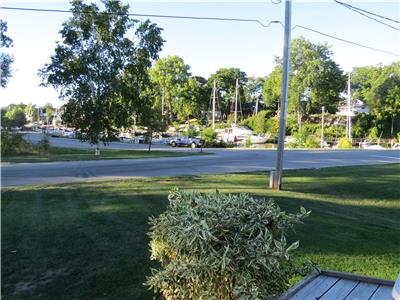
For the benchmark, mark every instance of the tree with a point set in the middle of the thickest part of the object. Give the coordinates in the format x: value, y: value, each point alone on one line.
x: 170, y: 76
x: 31, y: 111
x: 226, y: 84
x: 14, y: 116
x: 253, y: 92
x: 194, y: 99
x: 6, y: 60
x: 379, y: 87
x: 49, y: 111
x: 315, y: 80
x: 100, y: 71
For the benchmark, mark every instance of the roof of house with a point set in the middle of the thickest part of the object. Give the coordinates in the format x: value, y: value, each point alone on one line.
x: 324, y: 285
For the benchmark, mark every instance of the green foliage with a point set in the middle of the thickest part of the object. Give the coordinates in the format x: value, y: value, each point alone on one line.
x: 13, y: 116
x: 169, y: 77
x: 315, y: 79
x: 6, y: 60
x: 44, y: 144
x: 191, y: 131
x: 225, y: 79
x: 208, y: 135
x: 305, y: 138
x: 222, y: 246
x: 262, y: 123
x: 379, y: 87
x: 247, y: 143
x: 101, y: 68
x: 13, y: 143
x: 344, y: 143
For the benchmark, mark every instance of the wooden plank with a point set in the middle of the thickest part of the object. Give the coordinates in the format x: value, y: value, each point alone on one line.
x: 357, y: 277
x: 340, y: 290
x: 363, y: 291
x: 298, y: 286
x: 384, y: 292
x: 316, y: 288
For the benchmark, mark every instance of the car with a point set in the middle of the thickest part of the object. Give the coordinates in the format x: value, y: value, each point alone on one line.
x: 183, y: 141
x: 55, y: 133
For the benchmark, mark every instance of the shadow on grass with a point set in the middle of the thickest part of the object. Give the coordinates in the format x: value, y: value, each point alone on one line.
x: 90, y: 240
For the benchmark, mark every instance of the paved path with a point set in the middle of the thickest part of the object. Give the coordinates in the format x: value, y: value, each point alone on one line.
x: 223, y: 161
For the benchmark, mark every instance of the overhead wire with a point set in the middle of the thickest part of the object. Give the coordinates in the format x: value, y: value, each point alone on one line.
x: 359, y: 11
x: 212, y: 19
x: 150, y: 15
x: 366, y: 11
x: 345, y: 41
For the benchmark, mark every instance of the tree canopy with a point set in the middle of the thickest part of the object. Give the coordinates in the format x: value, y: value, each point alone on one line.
x: 316, y: 80
x: 379, y: 88
x: 100, y: 68
x: 6, y: 60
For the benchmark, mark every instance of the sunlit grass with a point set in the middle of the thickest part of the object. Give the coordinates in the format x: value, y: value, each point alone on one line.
x: 88, y: 240
x: 73, y: 154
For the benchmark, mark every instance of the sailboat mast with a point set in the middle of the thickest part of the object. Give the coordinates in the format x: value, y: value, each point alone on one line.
x: 213, y: 107
x: 236, y: 99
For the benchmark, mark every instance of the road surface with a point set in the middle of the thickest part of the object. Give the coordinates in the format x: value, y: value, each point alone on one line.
x: 222, y: 161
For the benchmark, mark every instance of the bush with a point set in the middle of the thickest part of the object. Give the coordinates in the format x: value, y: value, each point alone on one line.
x: 247, y: 143
x: 209, y: 135
x: 44, y: 144
x: 222, y: 246
x: 13, y: 143
x: 344, y: 143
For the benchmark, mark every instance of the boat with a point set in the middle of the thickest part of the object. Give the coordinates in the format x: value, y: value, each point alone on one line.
x: 239, y: 134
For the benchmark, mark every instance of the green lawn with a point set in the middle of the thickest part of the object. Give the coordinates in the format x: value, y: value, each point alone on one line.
x: 88, y: 240
x: 69, y: 154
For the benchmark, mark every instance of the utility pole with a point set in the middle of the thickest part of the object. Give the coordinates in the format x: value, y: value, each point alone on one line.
x: 349, y: 108
x: 213, y: 107
x: 285, y: 85
x: 322, y: 126
x: 236, y: 99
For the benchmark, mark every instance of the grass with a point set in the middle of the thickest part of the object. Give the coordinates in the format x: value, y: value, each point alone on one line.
x: 73, y: 154
x: 88, y: 240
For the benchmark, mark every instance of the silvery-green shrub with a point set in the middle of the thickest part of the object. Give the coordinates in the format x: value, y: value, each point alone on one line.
x: 221, y: 246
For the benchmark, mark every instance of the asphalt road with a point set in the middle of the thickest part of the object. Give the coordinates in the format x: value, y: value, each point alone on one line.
x: 222, y: 161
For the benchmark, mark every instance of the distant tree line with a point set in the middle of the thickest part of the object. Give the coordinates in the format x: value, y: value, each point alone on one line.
x: 108, y: 71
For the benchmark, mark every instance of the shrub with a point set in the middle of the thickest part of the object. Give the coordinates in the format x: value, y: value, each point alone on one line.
x: 312, y: 142
x: 209, y: 135
x: 222, y: 246
x: 13, y: 143
x: 44, y: 144
x: 344, y: 143
x: 247, y: 143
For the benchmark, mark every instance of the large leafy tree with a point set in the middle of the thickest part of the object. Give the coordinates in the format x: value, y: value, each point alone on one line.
x: 6, y: 60
x: 170, y: 76
x: 13, y: 116
x: 379, y: 87
x: 225, y: 79
x: 316, y: 80
x: 100, y: 68
x: 253, y: 92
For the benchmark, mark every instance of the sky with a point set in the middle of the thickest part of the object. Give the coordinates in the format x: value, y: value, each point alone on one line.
x: 207, y: 45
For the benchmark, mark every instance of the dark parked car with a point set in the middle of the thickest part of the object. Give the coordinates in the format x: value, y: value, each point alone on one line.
x: 183, y: 141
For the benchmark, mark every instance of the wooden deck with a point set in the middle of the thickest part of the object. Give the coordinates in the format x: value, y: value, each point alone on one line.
x: 329, y: 285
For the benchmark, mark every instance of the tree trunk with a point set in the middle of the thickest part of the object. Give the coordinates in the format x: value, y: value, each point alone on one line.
x: 150, y: 140
x: 391, y: 128
x: 97, y: 151
x: 299, y: 119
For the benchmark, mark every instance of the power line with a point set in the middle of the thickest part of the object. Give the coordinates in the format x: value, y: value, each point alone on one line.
x: 210, y: 19
x: 366, y: 11
x: 360, y: 11
x: 150, y: 15
x: 346, y: 41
